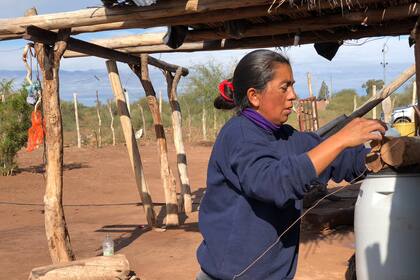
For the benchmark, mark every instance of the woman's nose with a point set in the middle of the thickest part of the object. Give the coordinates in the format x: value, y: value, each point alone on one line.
x: 292, y: 94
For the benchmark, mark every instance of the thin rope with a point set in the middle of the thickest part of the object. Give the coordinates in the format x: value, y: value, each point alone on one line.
x: 287, y: 229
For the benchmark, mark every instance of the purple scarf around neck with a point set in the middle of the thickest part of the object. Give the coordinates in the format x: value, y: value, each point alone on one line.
x: 259, y: 120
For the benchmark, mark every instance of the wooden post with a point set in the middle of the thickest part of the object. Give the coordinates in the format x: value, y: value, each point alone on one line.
x: 169, y: 183
x: 127, y: 100
x: 309, y: 77
x: 387, y: 109
x: 178, y: 139
x: 143, y: 120
x: 354, y: 103
x: 314, y: 114
x: 99, y: 142
x: 204, y: 122
x: 214, y: 122
x: 189, y: 122
x: 55, y: 223
x: 417, y: 59
x: 413, y: 102
x: 112, y: 122
x: 374, y: 114
x: 160, y: 103
x: 76, y: 115
x: 130, y: 140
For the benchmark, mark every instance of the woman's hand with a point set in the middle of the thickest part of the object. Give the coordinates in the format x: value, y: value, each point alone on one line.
x: 355, y: 133
x: 360, y: 131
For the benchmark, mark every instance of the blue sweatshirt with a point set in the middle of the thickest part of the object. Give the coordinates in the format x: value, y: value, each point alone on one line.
x: 255, y: 184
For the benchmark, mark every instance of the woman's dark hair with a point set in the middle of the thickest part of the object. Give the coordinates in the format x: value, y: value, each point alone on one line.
x: 254, y: 70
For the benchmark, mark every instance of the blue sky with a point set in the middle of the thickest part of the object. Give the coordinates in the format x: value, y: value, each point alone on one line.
x: 349, y: 69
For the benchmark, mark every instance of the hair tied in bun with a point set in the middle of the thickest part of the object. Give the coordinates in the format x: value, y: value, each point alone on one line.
x: 222, y: 86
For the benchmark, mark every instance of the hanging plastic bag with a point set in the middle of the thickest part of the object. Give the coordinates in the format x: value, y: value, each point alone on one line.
x: 36, y: 131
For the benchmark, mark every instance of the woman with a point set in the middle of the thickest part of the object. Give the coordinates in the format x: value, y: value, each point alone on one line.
x: 260, y: 169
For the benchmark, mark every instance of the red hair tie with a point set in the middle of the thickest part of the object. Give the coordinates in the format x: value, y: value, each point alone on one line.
x: 222, y: 90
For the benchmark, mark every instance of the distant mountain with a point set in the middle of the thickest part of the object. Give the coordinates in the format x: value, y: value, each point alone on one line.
x: 85, y: 83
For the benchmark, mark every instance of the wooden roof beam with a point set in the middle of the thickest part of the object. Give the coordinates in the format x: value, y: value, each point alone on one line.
x: 189, y: 19
x: 40, y: 35
x: 92, y: 16
x: 295, y: 26
x: 165, y: 12
x: 403, y: 28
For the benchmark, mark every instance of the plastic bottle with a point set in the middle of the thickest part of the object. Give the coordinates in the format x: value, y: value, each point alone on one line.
x: 108, y: 246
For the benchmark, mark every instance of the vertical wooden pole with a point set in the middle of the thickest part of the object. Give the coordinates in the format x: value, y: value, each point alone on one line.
x: 300, y: 115
x: 387, y: 109
x: 204, y: 122
x: 130, y: 140
x: 354, y: 103
x: 214, y: 122
x: 310, y: 114
x: 160, y: 102
x: 169, y: 183
x: 127, y: 100
x: 309, y: 77
x: 112, y: 122
x: 76, y: 115
x: 99, y: 142
x: 315, y: 114
x: 143, y: 120
x: 58, y: 238
x: 413, y: 102
x: 417, y: 59
x: 374, y: 113
x: 189, y: 122
x: 178, y: 139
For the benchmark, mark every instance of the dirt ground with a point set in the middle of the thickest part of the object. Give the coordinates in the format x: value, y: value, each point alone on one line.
x: 100, y: 196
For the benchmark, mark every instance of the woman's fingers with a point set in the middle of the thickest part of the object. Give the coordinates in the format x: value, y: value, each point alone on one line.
x: 373, y: 125
x: 362, y: 130
x: 375, y: 136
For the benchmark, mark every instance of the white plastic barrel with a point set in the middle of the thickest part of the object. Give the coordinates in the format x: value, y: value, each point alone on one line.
x: 387, y: 227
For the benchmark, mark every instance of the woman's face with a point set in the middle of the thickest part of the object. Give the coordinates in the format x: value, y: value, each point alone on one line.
x: 275, y: 102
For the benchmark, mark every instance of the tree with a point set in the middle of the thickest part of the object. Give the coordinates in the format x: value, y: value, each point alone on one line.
x: 203, y: 85
x: 14, y: 124
x: 6, y: 88
x: 324, y: 92
x: 342, y: 101
x: 369, y: 83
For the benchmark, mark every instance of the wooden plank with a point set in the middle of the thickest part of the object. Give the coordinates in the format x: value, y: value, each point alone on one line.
x: 37, y: 34
x: 131, y: 143
x: 55, y: 223
x: 105, y: 268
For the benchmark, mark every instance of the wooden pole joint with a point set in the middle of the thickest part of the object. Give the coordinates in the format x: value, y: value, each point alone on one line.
x: 47, y: 37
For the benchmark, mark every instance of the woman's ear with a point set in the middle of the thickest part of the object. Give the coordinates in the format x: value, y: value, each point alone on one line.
x: 253, y: 98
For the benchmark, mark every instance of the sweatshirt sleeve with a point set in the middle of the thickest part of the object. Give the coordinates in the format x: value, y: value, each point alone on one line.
x: 349, y: 165
x: 265, y: 176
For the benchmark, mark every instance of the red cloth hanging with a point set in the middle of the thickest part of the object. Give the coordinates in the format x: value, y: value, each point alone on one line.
x: 35, y: 132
